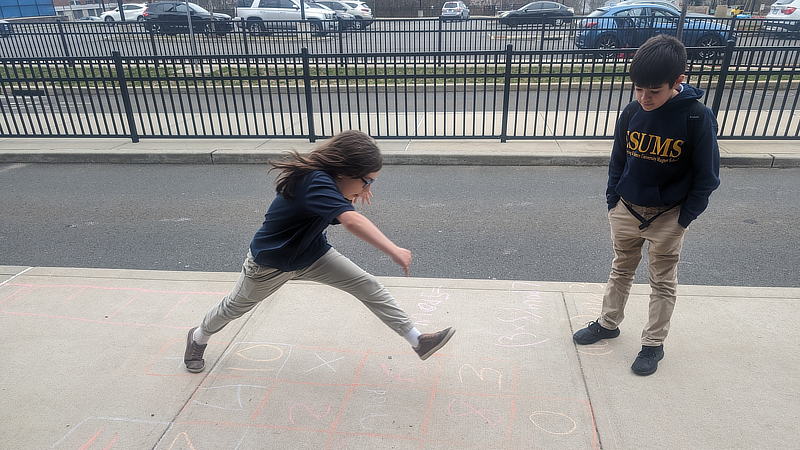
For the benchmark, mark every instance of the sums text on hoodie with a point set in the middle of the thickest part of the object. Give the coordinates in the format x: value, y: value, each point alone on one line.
x: 658, y: 162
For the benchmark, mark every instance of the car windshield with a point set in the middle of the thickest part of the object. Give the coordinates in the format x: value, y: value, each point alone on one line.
x: 598, y: 13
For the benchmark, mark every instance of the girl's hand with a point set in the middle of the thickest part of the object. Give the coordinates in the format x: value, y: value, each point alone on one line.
x: 365, y: 198
x: 402, y: 257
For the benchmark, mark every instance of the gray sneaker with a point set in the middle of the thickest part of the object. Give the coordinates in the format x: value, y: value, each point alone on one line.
x: 430, y: 342
x: 193, y: 356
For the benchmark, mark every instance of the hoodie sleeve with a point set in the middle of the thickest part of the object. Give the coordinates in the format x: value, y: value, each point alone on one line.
x: 618, y: 157
x: 705, y: 164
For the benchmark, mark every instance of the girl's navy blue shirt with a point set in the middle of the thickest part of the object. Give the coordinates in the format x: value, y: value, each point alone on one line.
x: 292, y: 236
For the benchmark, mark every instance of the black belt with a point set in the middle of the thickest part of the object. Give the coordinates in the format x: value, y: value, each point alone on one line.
x: 646, y: 222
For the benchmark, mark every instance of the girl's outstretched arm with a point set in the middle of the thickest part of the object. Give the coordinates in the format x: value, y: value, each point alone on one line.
x: 364, y: 229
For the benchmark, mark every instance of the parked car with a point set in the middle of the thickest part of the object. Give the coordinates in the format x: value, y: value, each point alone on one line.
x: 631, y: 25
x: 5, y: 28
x: 542, y: 12
x: 360, y: 9
x: 784, y: 17
x: 170, y: 18
x: 347, y: 20
x: 133, y: 12
x: 362, y: 18
x: 454, y: 11
x: 267, y: 16
x: 90, y: 19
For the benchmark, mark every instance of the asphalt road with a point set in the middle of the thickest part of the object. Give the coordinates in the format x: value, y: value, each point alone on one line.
x: 520, y: 223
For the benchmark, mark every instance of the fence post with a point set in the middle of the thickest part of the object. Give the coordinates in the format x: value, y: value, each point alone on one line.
x: 63, y: 39
x: 341, y: 34
x: 723, y: 76
x: 506, y: 94
x: 153, y: 42
x: 439, y: 34
x: 244, y: 38
x: 126, y: 99
x: 312, y: 137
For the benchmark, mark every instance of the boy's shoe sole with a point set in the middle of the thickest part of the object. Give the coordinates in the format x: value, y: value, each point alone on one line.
x: 429, y: 343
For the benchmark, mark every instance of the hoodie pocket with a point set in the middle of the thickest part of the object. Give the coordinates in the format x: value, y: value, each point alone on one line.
x: 639, y: 192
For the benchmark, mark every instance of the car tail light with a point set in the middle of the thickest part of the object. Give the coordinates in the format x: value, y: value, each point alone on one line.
x: 789, y: 10
x: 589, y: 24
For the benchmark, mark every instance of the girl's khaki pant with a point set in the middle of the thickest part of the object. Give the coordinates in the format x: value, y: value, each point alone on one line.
x: 665, y: 238
x: 258, y: 282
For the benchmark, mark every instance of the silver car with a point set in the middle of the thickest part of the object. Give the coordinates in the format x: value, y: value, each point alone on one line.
x: 454, y: 11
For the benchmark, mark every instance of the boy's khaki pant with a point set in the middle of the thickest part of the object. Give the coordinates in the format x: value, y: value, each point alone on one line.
x: 258, y: 282
x: 665, y: 238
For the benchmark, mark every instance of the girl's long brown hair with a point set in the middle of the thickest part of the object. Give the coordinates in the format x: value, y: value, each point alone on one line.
x: 351, y: 154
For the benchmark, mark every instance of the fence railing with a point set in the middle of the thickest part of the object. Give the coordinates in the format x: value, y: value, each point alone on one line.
x: 508, y: 94
x: 95, y: 39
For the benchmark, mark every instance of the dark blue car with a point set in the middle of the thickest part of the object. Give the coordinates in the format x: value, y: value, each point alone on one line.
x: 629, y: 26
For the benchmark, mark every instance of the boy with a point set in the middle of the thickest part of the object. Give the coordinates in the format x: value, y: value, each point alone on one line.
x: 664, y: 166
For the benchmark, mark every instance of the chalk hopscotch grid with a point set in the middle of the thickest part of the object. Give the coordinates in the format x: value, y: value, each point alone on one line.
x: 457, y: 407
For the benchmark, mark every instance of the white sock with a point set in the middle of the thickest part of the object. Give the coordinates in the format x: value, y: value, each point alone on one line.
x: 412, y: 337
x: 199, y: 337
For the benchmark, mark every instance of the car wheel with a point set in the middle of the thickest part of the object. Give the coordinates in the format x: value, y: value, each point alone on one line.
x: 513, y: 22
x: 558, y: 22
x: 110, y: 21
x: 607, y: 41
x: 156, y: 28
x: 708, y: 40
x: 358, y: 25
x: 316, y: 28
x: 208, y: 28
x: 255, y: 27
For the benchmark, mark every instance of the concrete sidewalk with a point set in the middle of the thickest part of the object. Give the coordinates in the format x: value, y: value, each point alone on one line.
x: 565, y: 152
x: 92, y: 358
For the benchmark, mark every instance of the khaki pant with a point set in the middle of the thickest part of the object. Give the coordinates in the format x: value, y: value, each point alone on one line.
x: 258, y: 282
x: 665, y: 238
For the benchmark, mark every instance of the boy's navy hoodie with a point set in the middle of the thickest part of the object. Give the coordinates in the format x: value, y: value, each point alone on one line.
x: 658, y: 162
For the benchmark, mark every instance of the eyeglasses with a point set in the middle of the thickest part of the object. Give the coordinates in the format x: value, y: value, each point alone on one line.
x: 367, y: 183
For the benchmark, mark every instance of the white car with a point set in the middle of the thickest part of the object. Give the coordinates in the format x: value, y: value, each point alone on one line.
x: 360, y: 11
x: 268, y: 16
x: 133, y: 13
x: 784, y: 17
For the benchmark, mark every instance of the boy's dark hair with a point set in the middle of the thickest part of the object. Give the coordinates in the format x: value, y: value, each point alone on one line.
x: 351, y: 154
x: 662, y: 59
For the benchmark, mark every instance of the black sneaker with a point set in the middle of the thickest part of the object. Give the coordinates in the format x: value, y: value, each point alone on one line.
x: 193, y: 356
x: 430, y: 342
x: 593, y: 333
x: 647, y: 361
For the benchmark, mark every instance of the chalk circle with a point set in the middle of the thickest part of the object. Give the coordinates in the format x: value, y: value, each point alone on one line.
x: 258, y: 348
x: 553, y: 420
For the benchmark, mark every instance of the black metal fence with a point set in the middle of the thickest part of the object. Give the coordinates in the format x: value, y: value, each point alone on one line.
x: 506, y: 94
x: 95, y: 39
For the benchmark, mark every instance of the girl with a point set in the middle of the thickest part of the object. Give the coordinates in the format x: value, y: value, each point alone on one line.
x: 314, y: 191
